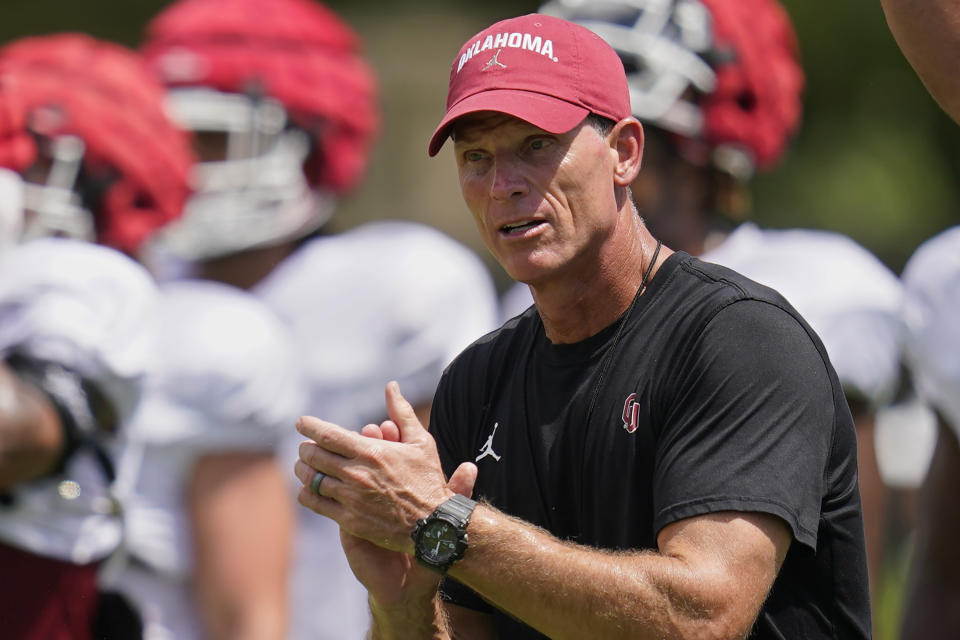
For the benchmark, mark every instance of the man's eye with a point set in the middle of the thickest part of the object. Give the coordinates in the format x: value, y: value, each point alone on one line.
x: 538, y: 144
x: 473, y: 156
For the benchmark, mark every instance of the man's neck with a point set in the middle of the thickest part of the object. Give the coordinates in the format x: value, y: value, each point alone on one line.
x: 574, y: 309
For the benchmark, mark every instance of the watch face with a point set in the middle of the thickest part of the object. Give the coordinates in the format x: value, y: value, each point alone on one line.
x: 438, y: 541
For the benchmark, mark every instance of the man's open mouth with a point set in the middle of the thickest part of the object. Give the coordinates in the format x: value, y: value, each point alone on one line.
x: 516, y: 228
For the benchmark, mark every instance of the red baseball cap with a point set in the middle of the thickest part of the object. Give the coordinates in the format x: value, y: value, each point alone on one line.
x: 547, y: 71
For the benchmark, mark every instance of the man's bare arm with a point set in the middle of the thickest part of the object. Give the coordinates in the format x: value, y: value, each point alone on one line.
x: 928, y: 32
x: 31, y: 437
x: 242, y: 527
x: 709, y: 578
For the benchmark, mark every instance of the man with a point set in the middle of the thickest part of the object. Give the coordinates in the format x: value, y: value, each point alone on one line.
x: 105, y: 164
x: 661, y: 469
x: 283, y: 106
x: 932, y: 295
x: 717, y: 85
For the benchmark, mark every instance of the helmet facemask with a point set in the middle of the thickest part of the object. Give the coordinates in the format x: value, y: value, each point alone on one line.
x: 721, y: 76
x: 662, y: 45
x: 52, y: 200
x: 11, y: 208
x: 249, y: 186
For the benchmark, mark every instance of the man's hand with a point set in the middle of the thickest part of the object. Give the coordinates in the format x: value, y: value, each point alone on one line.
x: 378, y: 483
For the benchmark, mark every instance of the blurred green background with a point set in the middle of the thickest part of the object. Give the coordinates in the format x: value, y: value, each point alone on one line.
x: 875, y: 159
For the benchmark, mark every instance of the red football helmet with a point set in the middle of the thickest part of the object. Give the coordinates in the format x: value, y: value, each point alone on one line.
x: 115, y: 168
x: 283, y: 81
x: 15, y: 150
x: 722, y: 75
x: 16, y: 144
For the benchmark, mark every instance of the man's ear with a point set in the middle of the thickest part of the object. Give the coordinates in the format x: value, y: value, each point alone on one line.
x: 626, y: 139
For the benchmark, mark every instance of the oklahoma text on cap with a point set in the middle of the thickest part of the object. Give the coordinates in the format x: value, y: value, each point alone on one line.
x: 547, y: 71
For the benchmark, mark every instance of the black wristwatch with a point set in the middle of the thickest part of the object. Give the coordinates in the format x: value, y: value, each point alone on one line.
x: 440, y: 539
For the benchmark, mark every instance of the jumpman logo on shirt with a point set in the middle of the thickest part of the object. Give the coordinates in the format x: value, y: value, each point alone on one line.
x: 487, y: 448
x: 494, y: 61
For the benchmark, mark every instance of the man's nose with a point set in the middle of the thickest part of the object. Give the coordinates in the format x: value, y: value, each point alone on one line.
x: 508, y: 181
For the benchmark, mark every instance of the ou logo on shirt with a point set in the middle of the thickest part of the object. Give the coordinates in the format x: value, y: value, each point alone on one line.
x: 631, y: 413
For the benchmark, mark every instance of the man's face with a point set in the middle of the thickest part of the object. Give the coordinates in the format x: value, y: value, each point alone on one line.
x: 543, y: 202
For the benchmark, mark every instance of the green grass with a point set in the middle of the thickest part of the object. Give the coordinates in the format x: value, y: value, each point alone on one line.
x: 889, y: 601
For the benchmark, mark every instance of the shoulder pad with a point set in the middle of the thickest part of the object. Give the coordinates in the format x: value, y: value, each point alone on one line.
x: 84, y: 306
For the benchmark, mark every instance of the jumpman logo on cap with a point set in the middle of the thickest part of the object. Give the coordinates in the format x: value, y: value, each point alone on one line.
x: 494, y: 61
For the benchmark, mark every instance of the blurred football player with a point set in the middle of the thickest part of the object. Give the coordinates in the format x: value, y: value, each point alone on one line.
x: 208, y: 515
x: 717, y: 85
x: 76, y: 338
x: 284, y: 110
x: 930, y: 310
x: 199, y: 453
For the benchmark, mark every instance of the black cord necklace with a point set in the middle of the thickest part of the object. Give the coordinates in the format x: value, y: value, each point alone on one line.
x: 608, y: 357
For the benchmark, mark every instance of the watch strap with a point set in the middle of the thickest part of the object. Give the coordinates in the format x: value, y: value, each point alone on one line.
x: 458, y: 506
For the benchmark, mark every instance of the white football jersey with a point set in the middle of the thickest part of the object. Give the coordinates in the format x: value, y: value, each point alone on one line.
x: 848, y: 296
x: 931, y: 313
x: 93, y: 310
x: 384, y: 301
x: 227, y: 378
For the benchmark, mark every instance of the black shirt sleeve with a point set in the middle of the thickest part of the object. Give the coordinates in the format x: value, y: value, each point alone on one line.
x: 441, y: 421
x: 750, y: 413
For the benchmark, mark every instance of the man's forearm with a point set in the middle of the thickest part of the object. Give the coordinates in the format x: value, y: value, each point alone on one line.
x: 31, y: 438
x: 562, y: 590
x: 570, y: 591
x: 241, y: 600
x: 420, y: 619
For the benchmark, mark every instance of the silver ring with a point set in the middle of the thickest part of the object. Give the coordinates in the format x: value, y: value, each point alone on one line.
x: 315, y: 483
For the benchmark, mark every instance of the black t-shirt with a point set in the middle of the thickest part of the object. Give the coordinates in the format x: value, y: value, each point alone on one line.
x: 716, y: 397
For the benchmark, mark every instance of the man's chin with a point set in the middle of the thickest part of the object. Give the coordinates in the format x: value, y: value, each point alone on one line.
x: 532, y: 274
